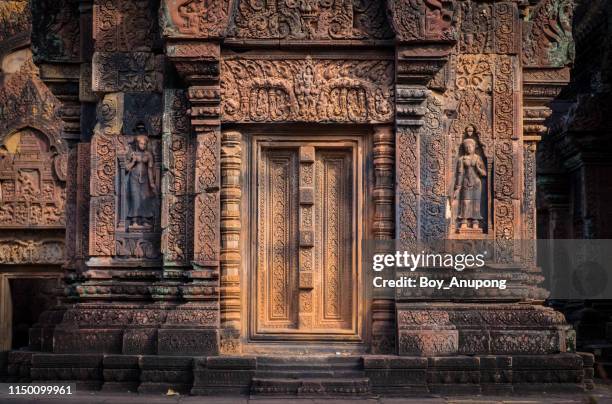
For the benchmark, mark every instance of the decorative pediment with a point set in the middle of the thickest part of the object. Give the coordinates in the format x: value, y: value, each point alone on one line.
x: 311, y: 20
x: 26, y: 102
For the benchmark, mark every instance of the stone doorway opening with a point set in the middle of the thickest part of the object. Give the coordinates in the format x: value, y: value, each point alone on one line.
x: 24, y: 299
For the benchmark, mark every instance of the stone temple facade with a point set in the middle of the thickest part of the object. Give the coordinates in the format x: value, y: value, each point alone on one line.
x: 217, y: 165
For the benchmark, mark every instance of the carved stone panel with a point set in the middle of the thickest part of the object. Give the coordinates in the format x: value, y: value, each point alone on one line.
x: 311, y: 19
x: 307, y: 90
x: 195, y: 18
x: 32, y: 182
x: 415, y: 20
x: 547, y: 34
x: 124, y: 26
x: 136, y: 71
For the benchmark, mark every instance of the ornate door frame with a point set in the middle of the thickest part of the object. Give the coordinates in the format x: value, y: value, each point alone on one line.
x: 360, y: 137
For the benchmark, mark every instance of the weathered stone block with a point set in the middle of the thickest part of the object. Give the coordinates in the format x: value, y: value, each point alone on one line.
x: 428, y: 342
x: 140, y: 341
x: 187, y: 342
x: 88, y: 340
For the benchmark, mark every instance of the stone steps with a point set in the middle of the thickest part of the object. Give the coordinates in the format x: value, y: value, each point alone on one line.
x: 310, y: 376
x: 310, y: 386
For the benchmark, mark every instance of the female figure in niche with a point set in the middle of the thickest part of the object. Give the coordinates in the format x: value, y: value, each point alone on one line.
x: 468, y: 186
x: 140, y: 184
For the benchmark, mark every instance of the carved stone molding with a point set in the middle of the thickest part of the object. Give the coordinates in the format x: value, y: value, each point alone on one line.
x: 307, y: 90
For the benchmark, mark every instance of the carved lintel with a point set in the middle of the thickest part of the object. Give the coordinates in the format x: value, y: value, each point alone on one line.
x: 307, y: 90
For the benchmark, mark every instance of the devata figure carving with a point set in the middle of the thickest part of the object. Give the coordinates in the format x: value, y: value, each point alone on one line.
x: 141, y: 190
x: 468, y: 186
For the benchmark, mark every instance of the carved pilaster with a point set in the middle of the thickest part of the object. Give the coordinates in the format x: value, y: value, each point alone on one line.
x: 177, y: 185
x: 198, y: 65
x: 231, y: 154
x: 425, y: 32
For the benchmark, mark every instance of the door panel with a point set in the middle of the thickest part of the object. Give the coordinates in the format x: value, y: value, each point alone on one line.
x: 333, y: 244
x: 306, y: 236
x: 277, y: 240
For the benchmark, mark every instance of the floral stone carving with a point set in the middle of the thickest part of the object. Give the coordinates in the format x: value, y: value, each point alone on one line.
x: 307, y: 90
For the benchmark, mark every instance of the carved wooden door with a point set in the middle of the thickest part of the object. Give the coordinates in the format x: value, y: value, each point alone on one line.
x: 306, y: 238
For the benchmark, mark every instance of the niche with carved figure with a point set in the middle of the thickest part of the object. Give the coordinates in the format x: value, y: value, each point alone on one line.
x: 140, y: 172
x: 471, y: 187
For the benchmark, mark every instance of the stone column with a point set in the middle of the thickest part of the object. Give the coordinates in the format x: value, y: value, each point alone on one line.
x: 230, y: 309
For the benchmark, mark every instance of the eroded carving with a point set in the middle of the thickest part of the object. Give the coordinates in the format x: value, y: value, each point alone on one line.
x: 423, y: 19
x: 548, y: 34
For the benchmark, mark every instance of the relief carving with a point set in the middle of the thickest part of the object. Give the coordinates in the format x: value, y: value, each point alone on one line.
x: 311, y: 19
x: 195, y: 18
x: 135, y: 71
x: 423, y: 19
x: 141, y: 189
x: 124, y: 26
x: 307, y: 90
x: 15, y: 18
x: 32, y: 252
x: 470, y: 173
x: 32, y: 184
x: 56, y: 37
x: 177, y: 211
x: 547, y: 34
x: 137, y: 233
